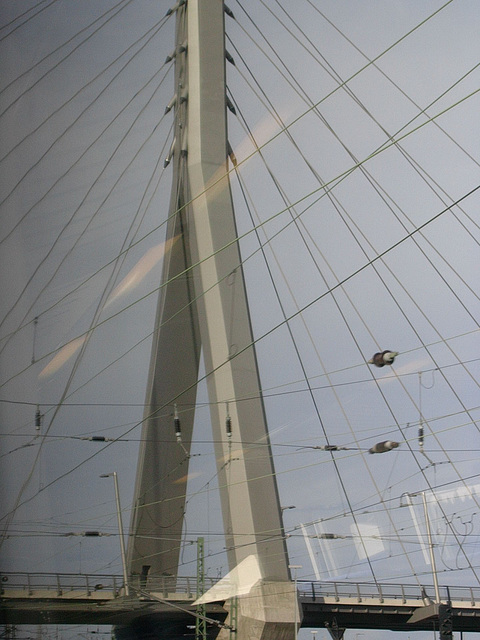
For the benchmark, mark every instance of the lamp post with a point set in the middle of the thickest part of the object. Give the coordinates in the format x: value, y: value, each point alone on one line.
x: 120, y: 528
x: 295, y: 600
x: 430, y: 546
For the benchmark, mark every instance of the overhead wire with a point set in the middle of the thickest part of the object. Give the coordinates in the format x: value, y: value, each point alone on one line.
x: 88, y: 335
x: 373, y: 479
x: 57, y: 49
x: 156, y: 29
x: 304, y: 307
x: 334, y: 182
x: 353, y: 157
x: 377, y: 187
x: 23, y: 14
x: 363, y: 68
x: 344, y: 318
x: 296, y: 447
x: 405, y: 94
x: 290, y: 470
x: 298, y: 312
x: 266, y: 392
x: 295, y: 345
x: 385, y: 75
x: 345, y: 416
x: 78, y: 359
x: 340, y: 515
x: 57, y: 64
x: 331, y: 195
x: 337, y: 77
x: 121, y: 255
x: 124, y: 250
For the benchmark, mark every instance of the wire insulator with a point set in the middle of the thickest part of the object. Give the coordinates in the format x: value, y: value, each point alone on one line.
x: 383, y: 447
x: 420, y: 436
x: 176, y: 423
x: 228, y: 426
x: 178, y: 432
x: 38, y: 418
x: 35, y: 322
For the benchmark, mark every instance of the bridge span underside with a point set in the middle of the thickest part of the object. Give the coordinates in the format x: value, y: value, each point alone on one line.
x: 152, y: 619
x: 168, y: 611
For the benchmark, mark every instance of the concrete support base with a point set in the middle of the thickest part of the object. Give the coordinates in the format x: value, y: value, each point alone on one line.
x: 268, y: 612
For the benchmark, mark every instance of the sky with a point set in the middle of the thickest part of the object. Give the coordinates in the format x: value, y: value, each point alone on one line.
x: 356, y: 134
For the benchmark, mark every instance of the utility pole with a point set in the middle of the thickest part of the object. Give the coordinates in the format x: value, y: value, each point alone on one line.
x: 435, y: 610
x: 445, y: 622
x: 120, y: 529
x: 430, y: 547
x: 201, y: 623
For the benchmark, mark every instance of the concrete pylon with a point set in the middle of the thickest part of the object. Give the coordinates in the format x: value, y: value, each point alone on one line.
x: 269, y: 611
x: 203, y: 306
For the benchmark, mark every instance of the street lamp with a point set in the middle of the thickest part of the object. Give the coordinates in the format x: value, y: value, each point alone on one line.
x: 295, y: 599
x: 120, y: 528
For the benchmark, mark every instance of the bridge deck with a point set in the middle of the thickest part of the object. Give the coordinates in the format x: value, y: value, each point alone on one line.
x: 72, y: 599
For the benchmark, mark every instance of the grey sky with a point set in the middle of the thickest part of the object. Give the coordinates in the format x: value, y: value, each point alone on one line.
x: 83, y: 139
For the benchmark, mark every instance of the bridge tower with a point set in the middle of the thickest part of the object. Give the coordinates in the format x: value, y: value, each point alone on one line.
x: 203, y: 306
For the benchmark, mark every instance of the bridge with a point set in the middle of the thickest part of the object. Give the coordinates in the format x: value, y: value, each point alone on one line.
x: 202, y: 283
x: 167, y: 603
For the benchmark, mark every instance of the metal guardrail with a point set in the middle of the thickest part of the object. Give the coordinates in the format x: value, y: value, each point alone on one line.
x: 166, y: 585
x: 62, y: 584
x: 361, y: 591
x: 59, y: 583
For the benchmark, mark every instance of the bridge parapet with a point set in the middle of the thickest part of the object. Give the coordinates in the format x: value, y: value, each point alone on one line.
x: 29, y: 598
x: 96, y: 586
x: 109, y: 587
x: 60, y: 585
x: 170, y: 586
x: 412, y: 594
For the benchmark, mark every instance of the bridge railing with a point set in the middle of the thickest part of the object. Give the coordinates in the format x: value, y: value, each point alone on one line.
x: 62, y: 584
x: 360, y: 591
x: 166, y: 585
x: 27, y: 584
x: 59, y: 583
